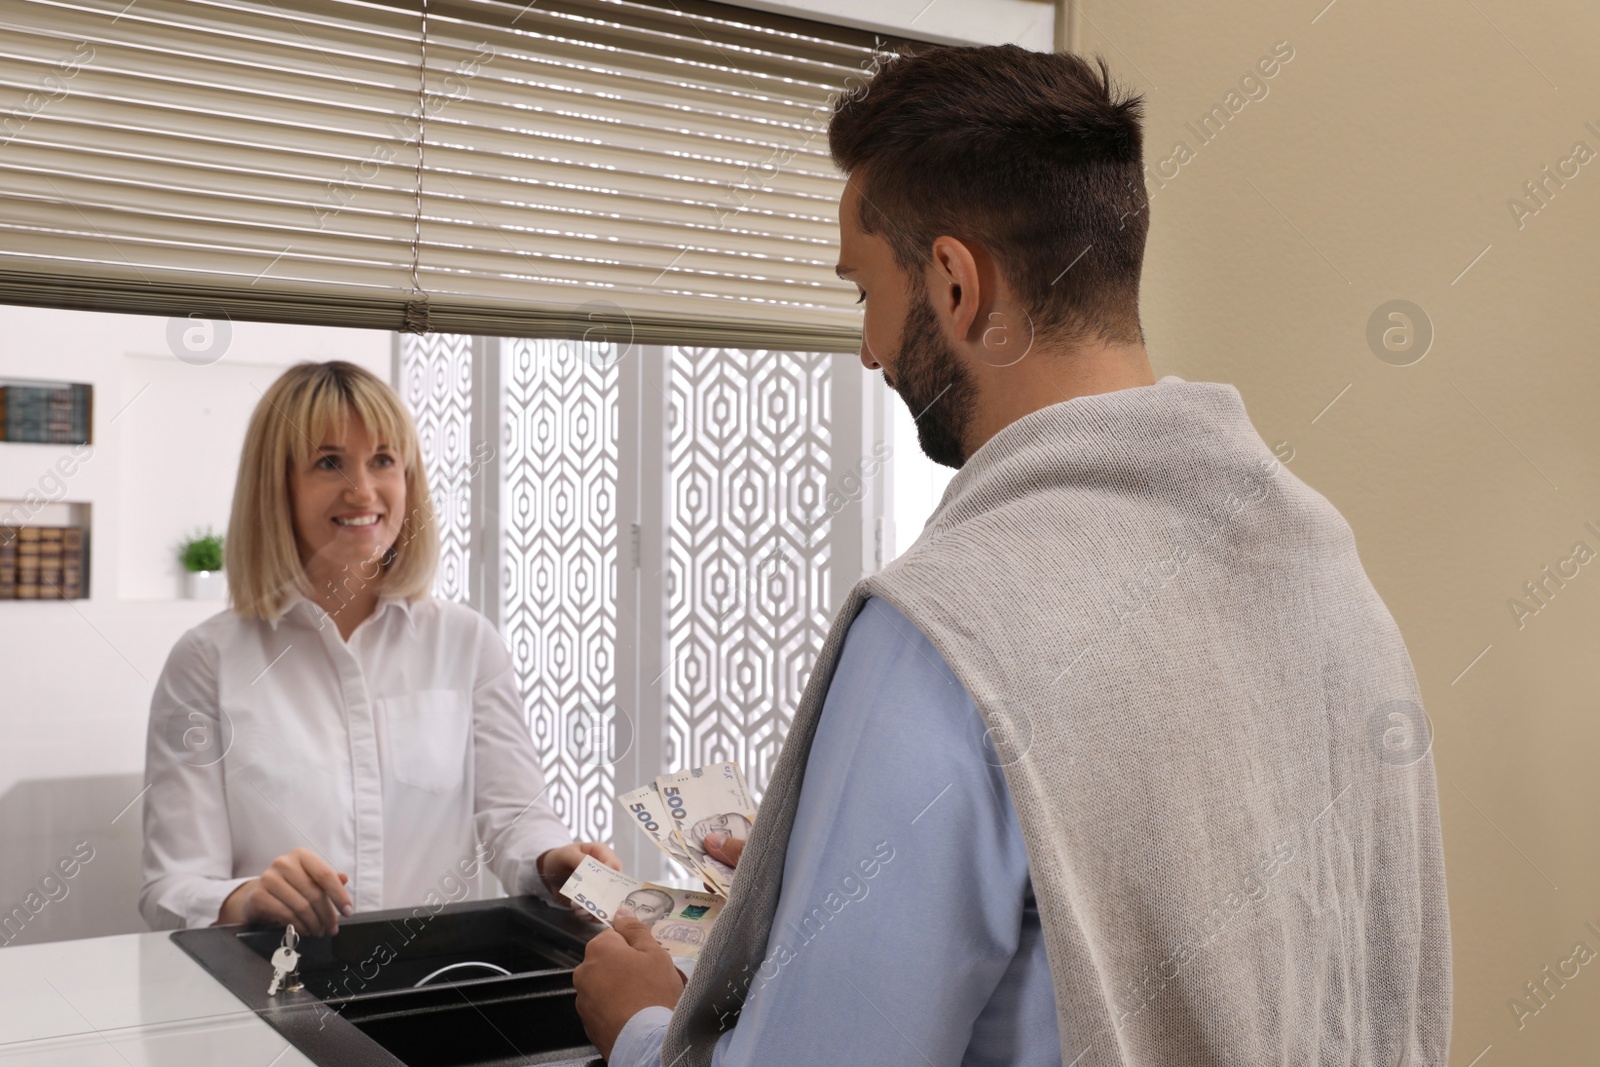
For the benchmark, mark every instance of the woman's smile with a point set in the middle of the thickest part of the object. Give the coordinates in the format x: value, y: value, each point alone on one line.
x: 365, y: 522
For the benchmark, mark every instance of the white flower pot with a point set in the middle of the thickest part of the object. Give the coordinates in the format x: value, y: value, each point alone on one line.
x: 205, y: 585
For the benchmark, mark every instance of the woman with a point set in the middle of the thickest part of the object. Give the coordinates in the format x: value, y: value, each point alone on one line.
x: 338, y: 740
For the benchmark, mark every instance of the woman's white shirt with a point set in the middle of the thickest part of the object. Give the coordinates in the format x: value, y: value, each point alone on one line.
x: 402, y: 758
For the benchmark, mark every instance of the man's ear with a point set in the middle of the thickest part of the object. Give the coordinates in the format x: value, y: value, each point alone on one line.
x: 956, y: 289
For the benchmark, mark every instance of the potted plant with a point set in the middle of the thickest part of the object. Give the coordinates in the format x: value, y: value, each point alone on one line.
x: 202, y: 565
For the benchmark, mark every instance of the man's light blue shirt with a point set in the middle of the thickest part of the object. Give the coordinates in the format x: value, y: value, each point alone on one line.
x: 906, y: 929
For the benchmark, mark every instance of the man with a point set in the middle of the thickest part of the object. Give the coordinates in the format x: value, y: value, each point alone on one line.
x: 1123, y: 761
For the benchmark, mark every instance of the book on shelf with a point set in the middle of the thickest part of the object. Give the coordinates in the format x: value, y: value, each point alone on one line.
x: 8, y: 562
x: 54, y: 415
x: 74, y: 562
x: 49, y: 564
x: 44, y: 562
x: 28, y: 563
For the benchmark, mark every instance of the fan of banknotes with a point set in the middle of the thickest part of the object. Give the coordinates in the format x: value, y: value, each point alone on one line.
x: 676, y: 811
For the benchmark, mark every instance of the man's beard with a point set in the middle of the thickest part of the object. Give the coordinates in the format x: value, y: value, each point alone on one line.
x: 934, y: 383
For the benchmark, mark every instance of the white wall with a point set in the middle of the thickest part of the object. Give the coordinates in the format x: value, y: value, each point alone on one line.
x: 78, y: 675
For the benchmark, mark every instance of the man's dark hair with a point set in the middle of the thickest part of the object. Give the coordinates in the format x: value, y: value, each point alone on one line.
x: 1031, y: 155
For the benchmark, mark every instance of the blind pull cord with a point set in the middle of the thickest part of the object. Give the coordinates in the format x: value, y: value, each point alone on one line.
x: 416, y: 312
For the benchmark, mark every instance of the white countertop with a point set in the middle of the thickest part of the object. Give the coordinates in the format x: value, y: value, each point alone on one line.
x: 135, y: 1000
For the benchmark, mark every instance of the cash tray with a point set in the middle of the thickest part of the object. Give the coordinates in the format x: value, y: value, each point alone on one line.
x: 360, y: 1005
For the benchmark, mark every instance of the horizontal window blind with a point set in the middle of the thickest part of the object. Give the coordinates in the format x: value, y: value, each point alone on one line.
x: 603, y: 168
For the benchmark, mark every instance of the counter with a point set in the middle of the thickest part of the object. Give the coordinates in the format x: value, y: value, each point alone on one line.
x: 133, y: 1000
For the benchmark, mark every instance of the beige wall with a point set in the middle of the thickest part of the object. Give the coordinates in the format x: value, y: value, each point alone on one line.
x: 1377, y: 167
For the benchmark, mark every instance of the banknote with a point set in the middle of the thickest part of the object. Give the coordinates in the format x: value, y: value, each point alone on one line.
x: 644, y: 809
x: 707, y: 800
x: 680, y: 919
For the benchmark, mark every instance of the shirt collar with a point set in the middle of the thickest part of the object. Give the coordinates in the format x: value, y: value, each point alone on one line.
x: 314, y: 612
x: 402, y: 605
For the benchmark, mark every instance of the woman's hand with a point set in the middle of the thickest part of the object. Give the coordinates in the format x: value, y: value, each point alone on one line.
x: 557, y: 865
x: 298, y: 887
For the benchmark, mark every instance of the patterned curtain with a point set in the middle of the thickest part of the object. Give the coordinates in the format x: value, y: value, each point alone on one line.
x: 746, y: 468
x: 436, y: 383
x: 748, y: 529
x: 559, y: 525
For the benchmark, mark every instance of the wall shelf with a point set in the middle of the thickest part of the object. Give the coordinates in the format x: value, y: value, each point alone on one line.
x: 16, y: 407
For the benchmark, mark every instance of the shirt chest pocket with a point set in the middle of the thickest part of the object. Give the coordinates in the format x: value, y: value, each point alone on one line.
x: 428, y: 734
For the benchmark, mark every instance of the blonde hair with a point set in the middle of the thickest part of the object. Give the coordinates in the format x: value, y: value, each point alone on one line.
x: 261, y: 557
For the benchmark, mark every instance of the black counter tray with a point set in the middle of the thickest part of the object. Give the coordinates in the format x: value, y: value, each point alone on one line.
x: 359, y: 1006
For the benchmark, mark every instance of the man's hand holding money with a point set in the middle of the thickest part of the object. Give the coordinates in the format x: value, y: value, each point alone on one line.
x: 624, y: 971
x: 724, y: 848
x: 626, y: 968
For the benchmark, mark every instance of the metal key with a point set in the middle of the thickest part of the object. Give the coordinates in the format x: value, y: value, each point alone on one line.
x: 285, y: 964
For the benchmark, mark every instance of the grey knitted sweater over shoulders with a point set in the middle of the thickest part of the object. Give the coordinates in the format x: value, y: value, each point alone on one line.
x: 1211, y: 731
